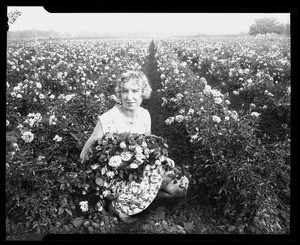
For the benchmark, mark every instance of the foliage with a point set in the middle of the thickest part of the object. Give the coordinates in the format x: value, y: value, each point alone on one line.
x: 235, y: 163
x: 266, y: 25
x: 53, y: 101
x: 221, y: 93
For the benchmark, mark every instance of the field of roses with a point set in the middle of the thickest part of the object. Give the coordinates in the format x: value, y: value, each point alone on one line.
x: 230, y: 95
x: 55, y: 90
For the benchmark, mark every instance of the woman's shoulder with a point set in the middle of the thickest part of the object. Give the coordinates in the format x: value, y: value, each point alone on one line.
x: 110, y: 114
x: 145, y: 111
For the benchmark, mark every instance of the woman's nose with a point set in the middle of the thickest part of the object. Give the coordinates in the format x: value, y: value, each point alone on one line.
x: 129, y: 95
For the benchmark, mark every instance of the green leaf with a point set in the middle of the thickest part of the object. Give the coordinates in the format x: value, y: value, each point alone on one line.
x: 65, y: 200
x: 60, y: 210
x: 102, y: 157
x: 68, y: 211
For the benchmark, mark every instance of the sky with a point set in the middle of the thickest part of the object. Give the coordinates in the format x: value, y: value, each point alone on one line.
x: 168, y: 23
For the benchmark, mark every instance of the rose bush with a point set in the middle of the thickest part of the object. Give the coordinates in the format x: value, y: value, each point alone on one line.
x: 245, y: 67
x: 230, y: 160
x: 54, y: 93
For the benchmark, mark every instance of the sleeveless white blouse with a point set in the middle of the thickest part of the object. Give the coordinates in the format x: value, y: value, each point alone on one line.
x: 114, y: 121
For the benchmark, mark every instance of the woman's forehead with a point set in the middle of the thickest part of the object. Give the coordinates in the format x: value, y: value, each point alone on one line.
x: 132, y: 83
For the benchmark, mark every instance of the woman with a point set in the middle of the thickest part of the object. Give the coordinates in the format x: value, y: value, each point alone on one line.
x: 131, y: 89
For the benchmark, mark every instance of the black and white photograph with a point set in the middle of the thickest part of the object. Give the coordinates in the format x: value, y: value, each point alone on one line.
x: 147, y: 123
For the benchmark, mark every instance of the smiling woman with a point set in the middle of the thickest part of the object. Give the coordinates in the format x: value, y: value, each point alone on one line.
x: 132, y: 119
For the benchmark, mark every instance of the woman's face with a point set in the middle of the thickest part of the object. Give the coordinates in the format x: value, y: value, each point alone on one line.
x: 131, y: 95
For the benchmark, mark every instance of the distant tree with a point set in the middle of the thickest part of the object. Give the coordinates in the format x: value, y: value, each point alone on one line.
x: 13, y: 16
x: 266, y: 25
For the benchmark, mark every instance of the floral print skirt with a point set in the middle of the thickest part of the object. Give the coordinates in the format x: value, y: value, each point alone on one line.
x: 132, y: 197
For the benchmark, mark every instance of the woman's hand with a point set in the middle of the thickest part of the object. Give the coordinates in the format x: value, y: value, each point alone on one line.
x: 83, y: 157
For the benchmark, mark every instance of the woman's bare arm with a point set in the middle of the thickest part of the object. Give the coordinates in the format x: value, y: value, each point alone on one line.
x: 97, y: 134
x: 148, y: 127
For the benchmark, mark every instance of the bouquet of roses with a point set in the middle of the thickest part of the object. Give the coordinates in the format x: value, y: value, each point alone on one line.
x: 117, y: 159
x: 124, y: 156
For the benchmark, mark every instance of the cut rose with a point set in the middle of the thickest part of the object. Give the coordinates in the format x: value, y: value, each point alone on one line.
x: 126, y: 156
x: 115, y: 161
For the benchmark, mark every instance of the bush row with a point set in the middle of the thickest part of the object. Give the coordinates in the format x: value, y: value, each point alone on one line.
x: 244, y: 173
x: 55, y: 91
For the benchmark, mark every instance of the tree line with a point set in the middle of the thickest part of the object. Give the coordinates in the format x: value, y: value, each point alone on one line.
x: 269, y: 25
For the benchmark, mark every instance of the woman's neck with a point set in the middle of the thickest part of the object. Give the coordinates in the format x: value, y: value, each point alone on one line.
x: 130, y: 114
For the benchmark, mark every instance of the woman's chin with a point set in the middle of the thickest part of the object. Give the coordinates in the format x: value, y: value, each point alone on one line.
x: 131, y: 107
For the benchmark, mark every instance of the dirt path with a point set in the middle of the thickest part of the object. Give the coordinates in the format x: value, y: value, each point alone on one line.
x: 153, y: 105
x: 175, y: 138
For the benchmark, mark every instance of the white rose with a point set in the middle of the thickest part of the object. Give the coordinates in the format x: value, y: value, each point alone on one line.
x: 203, y: 80
x: 216, y: 119
x: 106, y: 193
x: 184, y: 182
x: 218, y: 100
x: 179, y: 96
x: 57, y: 138
x: 140, y: 157
x: 126, y: 156
x: 157, y: 162
x: 27, y: 136
x: 38, y: 85
x: 191, y: 111
x: 162, y: 158
x: 52, y: 120
x: 133, y: 165
x: 146, y: 151
x: 255, y: 114
x: 115, y: 161
x: 227, y: 102
x: 84, y: 206
x: 144, y: 144
x: 138, y: 149
x: 179, y: 118
x: 207, y: 88
x: 123, y: 145
x: 110, y: 173
x: 169, y: 120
